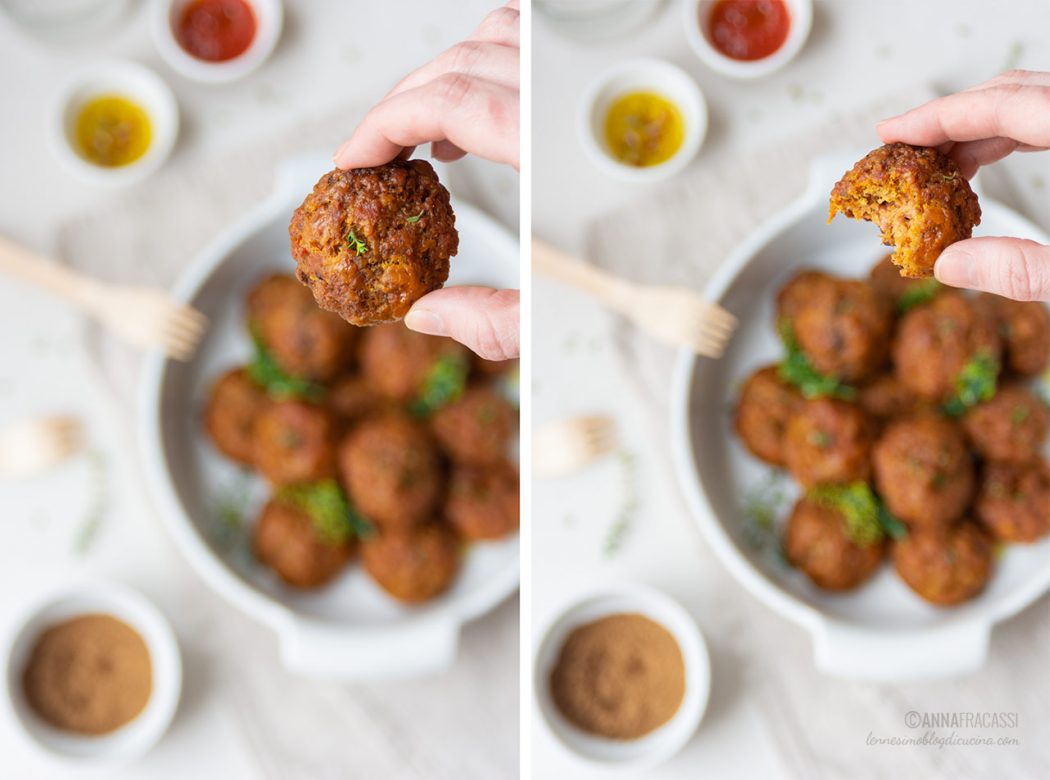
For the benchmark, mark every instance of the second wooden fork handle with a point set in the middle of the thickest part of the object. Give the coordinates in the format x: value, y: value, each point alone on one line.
x: 30, y: 267
x: 563, y: 267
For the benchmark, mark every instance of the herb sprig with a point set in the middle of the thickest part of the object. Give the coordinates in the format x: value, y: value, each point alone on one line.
x: 335, y: 520
x: 444, y: 383
x: 975, y: 383
x: 918, y: 294
x: 356, y: 245
x: 796, y: 369
x: 867, y: 520
x: 416, y: 218
x: 278, y: 384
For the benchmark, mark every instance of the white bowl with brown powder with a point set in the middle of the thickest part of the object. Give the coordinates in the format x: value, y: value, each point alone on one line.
x: 93, y: 675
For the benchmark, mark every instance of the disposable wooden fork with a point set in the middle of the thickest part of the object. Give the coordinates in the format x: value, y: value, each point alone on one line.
x: 143, y: 316
x: 35, y: 445
x: 566, y: 446
x: 673, y: 315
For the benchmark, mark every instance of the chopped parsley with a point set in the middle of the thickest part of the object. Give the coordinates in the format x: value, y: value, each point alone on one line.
x: 416, y: 218
x: 975, y: 383
x: 265, y: 372
x: 918, y: 294
x: 796, y: 369
x: 443, y: 384
x: 356, y: 245
x: 335, y: 520
x: 867, y: 520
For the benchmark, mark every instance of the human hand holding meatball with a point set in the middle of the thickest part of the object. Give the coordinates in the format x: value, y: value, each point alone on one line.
x: 977, y: 127
x: 464, y: 101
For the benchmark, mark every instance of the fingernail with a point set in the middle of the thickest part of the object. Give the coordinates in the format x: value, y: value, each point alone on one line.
x: 957, y: 268
x: 425, y: 322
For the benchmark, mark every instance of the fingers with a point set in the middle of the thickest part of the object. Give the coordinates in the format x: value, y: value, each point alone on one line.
x: 489, y: 61
x: 446, y: 151
x: 1012, y: 267
x: 971, y: 155
x: 1033, y: 77
x: 486, y: 321
x: 501, y: 26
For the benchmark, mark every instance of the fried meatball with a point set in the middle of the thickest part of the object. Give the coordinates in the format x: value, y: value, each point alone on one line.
x: 233, y: 406
x: 886, y: 397
x: 305, y: 341
x: 935, y: 342
x: 815, y: 541
x: 294, y: 442
x: 828, y: 440
x: 371, y: 242
x: 903, y: 293
x: 477, y: 428
x: 351, y: 397
x: 844, y: 328
x: 916, y: 196
x: 413, y: 564
x: 799, y: 290
x: 483, y: 502
x: 1014, y: 500
x: 397, y: 361
x: 1025, y: 330
x: 923, y: 470
x: 766, y: 402
x: 946, y: 565
x: 285, y: 540
x: 390, y: 467
x: 1012, y: 426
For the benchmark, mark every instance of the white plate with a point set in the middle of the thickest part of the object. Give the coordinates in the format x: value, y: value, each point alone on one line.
x: 350, y: 629
x: 881, y: 631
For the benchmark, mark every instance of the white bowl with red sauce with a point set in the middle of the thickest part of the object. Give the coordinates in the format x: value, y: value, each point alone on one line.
x: 216, y: 41
x: 747, y: 39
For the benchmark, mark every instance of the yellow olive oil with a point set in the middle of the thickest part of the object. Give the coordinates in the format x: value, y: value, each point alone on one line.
x: 112, y: 131
x: 643, y: 129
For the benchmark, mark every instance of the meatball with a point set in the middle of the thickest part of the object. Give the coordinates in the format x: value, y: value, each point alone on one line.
x: 923, y: 470
x: 1012, y: 426
x: 934, y: 343
x: 351, y: 397
x: 304, y: 341
x: 844, y: 328
x: 233, y: 406
x: 946, y: 565
x: 398, y: 362
x: 371, y: 242
x: 766, y: 402
x: 903, y: 293
x: 413, y: 564
x: 285, y: 540
x: 815, y: 541
x: 801, y: 288
x: 391, y: 470
x: 1025, y: 329
x: 1014, y: 501
x: 477, y: 428
x: 828, y: 440
x: 916, y: 196
x: 294, y: 442
x: 886, y: 397
x: 483, y: 503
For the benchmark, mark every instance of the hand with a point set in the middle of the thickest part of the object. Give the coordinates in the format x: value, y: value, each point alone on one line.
x: 977, y: 127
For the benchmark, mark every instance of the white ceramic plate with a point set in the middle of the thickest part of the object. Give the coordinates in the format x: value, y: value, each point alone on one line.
x: 881, y: 631
x: 350, y: 629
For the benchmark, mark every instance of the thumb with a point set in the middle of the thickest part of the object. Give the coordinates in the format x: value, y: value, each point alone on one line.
x: 484, y: 320
x: 1011, y: 267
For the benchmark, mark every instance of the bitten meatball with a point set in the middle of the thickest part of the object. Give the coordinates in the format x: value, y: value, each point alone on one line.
x: 234, y: 405
x: 916, y: 196
x: 294, y: 442
x: 414, y: 564
x: 1014, y: 500
x: 371, y: 242
x: 284, y: 539
x: 947, y: 565
x: 923, y: 470
x: 351, y: 397
x: 397, y: 361
x: 886, y: 397
x: 1025, y: 329
x: 305, y: 341
x: 934, y: 343
x: 798, y: 291
x: 483, y: 502
x: 766, y: 403
x: 391, y: 470
x: 1012, y: 426
x: 815, y: 541
x: 828, y: 440
x: 477, y: 428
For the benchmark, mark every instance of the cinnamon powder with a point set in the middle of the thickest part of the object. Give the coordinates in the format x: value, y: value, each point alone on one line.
x: 91, y: 675
x: 620, y: 677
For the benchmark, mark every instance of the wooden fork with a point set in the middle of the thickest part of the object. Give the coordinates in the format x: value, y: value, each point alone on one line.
x: 566, y: 446
x: 35, y: 445
x: 673, y: 315
x: 143, y: 316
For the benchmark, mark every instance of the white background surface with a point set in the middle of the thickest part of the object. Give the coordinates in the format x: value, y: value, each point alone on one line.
x: 777, y: 718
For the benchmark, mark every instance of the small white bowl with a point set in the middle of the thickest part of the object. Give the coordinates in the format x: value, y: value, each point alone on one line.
x: 659, y: 745
x: 650, y: 75
x: 132, y: 740
x: 135, y: 82
x: 269, y: 19
x: 695, y: 16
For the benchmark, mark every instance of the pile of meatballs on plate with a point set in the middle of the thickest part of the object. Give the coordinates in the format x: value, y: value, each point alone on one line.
x: 910, y: 417
x: 379, y: 443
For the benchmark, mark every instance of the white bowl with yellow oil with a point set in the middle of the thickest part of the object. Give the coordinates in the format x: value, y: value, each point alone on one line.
x: 643, y: 120
x: 114, y: 123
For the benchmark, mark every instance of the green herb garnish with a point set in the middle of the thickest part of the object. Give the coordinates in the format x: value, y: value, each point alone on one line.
x: 443, y: 384
x: 625, y: 517
x: 867, y: 520
x: 357, y: 245
x: 975, y: 383
x: 917, y: 294
x: 335, y: 520
x: 265, y: 372
x: 796, y: 369
x: 416, y: 218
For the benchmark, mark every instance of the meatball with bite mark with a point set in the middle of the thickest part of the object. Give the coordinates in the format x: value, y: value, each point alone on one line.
x: 1025, y: 330
x: 233, y: 406
x: 483, y: 503
x: 284, y: 538
x: 371, y: 242
x: 817, y: 543
x: 295, y: 443
x: 766, y: 403
x: 1014, y: 501
x: 477, y: 428
x: 412, y: 564
x: 923, y: 470
x: 397, y: 362
x: 828, y: 440
x: 1012, y: 426
x: 945, y: 566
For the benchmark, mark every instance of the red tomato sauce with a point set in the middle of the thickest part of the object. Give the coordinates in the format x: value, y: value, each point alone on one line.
x: 216, y: 30
x: 749, y: 29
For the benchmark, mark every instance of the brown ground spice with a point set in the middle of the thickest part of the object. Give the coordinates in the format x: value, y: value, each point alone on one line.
x: 620, y: 677
x: 91, y: 675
